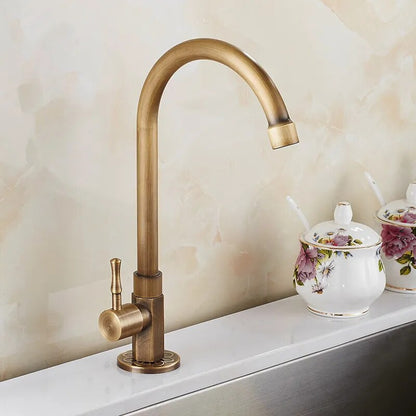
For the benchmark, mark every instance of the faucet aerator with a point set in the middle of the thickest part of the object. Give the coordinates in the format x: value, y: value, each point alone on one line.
x: 282, y: 134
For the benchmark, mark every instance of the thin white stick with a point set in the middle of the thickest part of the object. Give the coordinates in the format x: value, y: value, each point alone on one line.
x: 298, y: 211
x: 375, y: 188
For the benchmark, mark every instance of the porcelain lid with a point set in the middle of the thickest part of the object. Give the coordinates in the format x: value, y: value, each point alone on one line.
x: 342, y: 233
x: 401, y: 212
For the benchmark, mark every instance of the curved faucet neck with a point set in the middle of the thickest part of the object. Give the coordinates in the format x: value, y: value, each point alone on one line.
x: 214, y: 50
x: 280, y: 126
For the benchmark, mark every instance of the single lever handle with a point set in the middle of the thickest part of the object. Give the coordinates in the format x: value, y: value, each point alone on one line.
x: 121, y: 321
x: 116, y: 283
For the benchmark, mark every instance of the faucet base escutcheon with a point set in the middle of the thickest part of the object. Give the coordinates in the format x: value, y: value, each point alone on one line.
x: 142, y: 319
x: 169, y: 362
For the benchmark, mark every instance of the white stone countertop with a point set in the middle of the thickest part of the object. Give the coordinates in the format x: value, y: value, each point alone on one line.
x: 211, y: 352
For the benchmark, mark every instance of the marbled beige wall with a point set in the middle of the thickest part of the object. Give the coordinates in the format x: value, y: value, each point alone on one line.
x: 71, y: 73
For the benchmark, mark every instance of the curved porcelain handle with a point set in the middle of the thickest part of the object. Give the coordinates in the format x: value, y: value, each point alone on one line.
x: 411, y: 193
x: 298, y: 211
x: 375, y: 188
x: 343, y: 213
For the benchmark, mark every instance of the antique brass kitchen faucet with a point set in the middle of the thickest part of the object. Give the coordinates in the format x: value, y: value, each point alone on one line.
x: 143, y: 318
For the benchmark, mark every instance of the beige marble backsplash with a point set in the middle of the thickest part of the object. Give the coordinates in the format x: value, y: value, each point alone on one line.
x: 71, y: 73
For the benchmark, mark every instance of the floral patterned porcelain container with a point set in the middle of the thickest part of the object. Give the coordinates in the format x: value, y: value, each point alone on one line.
x: 339, y: 271
x: 398, y: 221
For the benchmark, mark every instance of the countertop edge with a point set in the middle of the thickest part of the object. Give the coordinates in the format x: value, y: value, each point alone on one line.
x: 247, y: 341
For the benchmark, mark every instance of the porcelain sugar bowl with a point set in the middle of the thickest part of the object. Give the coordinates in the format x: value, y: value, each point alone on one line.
x: 339, y: 271
x: 398, y: 221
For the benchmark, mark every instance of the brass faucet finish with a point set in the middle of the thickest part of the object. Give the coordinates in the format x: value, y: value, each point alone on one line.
x: 148, y: 354
x: 122, y: 321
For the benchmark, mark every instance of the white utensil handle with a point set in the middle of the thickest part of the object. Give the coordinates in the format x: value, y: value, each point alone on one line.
x: 298, y: 212
x: 375, y: 189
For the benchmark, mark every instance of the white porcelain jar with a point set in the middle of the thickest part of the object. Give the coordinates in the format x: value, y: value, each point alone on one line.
x: 339, y: 271
x: 398, y: 221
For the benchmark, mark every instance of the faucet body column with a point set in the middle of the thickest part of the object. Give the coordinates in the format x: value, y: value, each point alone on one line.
x: 148, y: 353
x: 148, y: 345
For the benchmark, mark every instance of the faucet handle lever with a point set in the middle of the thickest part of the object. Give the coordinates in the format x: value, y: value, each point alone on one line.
x: 116, y: 283
x: 121, y: 321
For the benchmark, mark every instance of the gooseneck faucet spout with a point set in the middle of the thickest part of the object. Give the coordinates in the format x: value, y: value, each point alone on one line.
x: 146, y: 321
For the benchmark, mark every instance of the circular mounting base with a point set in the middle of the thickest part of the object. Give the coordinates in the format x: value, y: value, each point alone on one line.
x: 169, y: 362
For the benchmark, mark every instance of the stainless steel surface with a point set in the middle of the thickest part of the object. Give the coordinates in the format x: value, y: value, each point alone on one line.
x: 375, y: 375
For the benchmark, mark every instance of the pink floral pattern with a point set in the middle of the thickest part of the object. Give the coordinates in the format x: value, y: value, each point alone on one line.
x: 399, y: 243
x: 405, y: 215
x: 306, y: 263
x: 340, y: 240
x: 337, y: 239
x: 409, y: 218
x: 397, y: 240
x: 315, y: 264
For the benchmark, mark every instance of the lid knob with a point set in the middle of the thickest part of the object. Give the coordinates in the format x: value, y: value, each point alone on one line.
x: 343, y: 213
x: 411, y: 193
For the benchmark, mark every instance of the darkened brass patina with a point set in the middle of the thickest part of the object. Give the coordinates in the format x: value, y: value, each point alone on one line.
x: 143, y: 318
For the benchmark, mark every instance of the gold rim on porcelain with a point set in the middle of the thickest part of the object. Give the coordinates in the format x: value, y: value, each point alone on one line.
x: 396, y: 223
x: 338, y: 315
x: 338, y: 248
x: 402, y: 289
